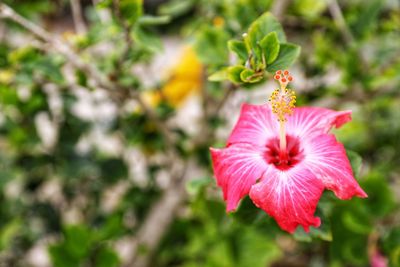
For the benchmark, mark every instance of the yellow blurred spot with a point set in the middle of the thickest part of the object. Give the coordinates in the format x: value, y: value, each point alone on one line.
x: 74, y: 38
x: 6, y: 76
x: 283, y: 103
x: 218, y: 21
x: 184, y: 80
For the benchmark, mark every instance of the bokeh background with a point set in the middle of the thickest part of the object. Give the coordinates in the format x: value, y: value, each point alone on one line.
x: 107, y: 115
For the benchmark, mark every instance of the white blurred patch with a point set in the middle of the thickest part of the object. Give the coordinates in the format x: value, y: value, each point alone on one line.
x: 137, y: 164
x: 94, y: 106
x: 51, y: 191
x: 2, y: 117
x: 38, y: 255
x: 24, y: 93
x: 54, y: 100
x: 188, y: 115
x: 112, y: 196
x: 72, y: 216
x: 46, y: 130
x: 13, y: 189
x: 157, y: 70
x: 109, y: 144
x: 124, y: 247
x: 163, y: 179
x: 84, y: 145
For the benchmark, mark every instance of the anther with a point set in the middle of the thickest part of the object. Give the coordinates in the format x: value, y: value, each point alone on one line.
x: 283, y: 100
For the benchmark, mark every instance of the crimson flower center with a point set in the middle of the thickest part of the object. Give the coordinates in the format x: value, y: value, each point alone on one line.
x: 284, y: 160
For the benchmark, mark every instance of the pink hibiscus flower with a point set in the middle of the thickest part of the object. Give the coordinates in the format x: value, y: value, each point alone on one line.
x: 284, y: 158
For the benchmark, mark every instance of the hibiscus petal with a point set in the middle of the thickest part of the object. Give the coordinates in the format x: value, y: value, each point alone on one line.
x: 327, y: 159
x: 290, y: 197
x: 236, y: 169
x: 256, y: 125
x: 309, y: 121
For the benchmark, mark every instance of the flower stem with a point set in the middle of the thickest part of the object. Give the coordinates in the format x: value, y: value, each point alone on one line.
x: 282, y: 130
x: 282, y: 138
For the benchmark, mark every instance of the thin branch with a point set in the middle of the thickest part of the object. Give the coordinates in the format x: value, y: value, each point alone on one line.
x: 205, y: 97
x: 127, y: 36
x: 338, y: 17
x: 279, y: 8
x: 2, y: 31
x: 340, y: 22
x: 163, y: 211
x: 158, y: 220
x: 77, y: 14
x: 205, y: 132
x: 228, y: 93
x: 57, y: 44
x: 104, y: 14
x: 91, y: 71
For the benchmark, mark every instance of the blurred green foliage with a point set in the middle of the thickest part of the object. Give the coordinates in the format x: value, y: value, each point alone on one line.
x: 362, y: 74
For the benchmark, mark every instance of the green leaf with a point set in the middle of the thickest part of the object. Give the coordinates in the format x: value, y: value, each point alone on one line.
x: 264, y: 25
x: 391, y: 240
x: 176, y: 8
x: 395, y: 257
x: 131, y: 10
x: 301, y: 235
x: 154, y: 20
x: 147, y: 39
x: 211, y: 46
x: 60, y: 256
x: 287, y: 55
x: 107, y: 258
x: 250, y: 76
x: 380, y: 201
x: 113, y: 169
x: 218, y: 76
x: 8, y: 232
x: 239, y: 48
x: 111, y: 229
x: 367, y: 17
x: 309, y: 8
x: 234, y: 73
x: 104, y: 3
x: 77, y: 240
x: 247, y: 212
x: 323, y: 232
x: 270, y: 47
x: 196, y: 185
x: 355, y: 161
x: 356, y: 222
x: 256, y: 249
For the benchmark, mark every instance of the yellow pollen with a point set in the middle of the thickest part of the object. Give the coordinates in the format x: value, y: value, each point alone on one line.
x: 283, y: 100
x: 218, y: 21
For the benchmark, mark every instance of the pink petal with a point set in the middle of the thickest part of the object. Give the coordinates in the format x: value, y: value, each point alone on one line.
x: 378, y: 260
x: 308, y: 121
x: 236, y: 169
x: 256, y: 125
x: 327, y: 159
x: 290, y: 197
